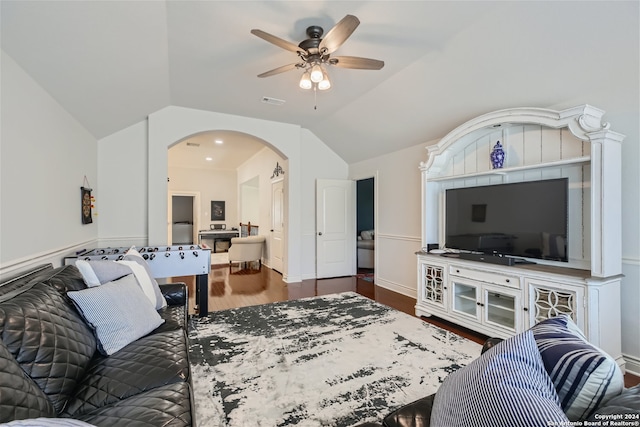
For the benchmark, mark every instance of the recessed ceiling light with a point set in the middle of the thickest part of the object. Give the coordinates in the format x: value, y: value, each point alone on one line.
x: 208, y: 159
x: 219, y: 141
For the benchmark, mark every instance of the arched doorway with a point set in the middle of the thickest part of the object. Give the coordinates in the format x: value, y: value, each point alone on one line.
x: 219, y: 165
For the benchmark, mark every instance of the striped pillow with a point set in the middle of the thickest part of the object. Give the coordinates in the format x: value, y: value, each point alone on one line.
x: 507, y: 386
x: 584, y: 376
x: 119, y: 312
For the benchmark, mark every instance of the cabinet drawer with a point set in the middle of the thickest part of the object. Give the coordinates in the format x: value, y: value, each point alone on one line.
x: 483, y: 276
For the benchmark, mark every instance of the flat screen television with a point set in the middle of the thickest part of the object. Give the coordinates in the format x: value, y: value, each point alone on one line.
x: 524, y: 219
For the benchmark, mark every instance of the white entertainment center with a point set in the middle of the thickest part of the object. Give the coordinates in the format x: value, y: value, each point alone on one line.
x: 502, y: 300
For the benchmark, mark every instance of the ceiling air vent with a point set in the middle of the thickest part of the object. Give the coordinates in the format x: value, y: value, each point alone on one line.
x: 272, y: 101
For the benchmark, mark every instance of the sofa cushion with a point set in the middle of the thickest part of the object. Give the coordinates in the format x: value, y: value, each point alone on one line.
x: 366, y: 244
x: 169, y: 405
x: 145, y: 364
x: 506, y: 386
x: 48, y: 422
x: 416, y: 413
x: 119, y: 312
x: 584, y: 376
x: 48, y: 339
x: 18, y: 280
x: 367, y: 234
x: 20, y: 397
x: 63, y: 279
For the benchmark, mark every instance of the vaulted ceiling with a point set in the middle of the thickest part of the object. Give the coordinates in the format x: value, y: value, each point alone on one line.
x: 112, y: 63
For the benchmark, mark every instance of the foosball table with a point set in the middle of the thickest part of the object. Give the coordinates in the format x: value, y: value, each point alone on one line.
x: 165, y: 261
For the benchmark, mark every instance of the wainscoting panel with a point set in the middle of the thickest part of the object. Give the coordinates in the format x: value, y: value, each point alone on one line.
x: 54, y: 257
x: 630, y: 316
x: 396, y: 263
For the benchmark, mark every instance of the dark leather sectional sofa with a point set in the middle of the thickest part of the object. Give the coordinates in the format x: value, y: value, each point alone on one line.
x: 50, y: 366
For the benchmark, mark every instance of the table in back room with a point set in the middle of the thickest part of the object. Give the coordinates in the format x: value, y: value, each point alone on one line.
x: 217, y: 236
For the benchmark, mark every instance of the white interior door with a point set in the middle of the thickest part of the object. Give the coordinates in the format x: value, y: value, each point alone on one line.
x: 276, y: 247
x: 335, y: 228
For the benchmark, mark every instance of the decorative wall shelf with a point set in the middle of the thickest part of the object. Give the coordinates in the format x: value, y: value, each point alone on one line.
x: 504, y: 171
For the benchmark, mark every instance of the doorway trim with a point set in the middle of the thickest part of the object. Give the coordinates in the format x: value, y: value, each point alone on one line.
x: 376, y: 201
x: 173, y: 124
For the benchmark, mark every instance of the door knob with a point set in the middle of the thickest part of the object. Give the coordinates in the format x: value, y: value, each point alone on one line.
x: 319, y: 233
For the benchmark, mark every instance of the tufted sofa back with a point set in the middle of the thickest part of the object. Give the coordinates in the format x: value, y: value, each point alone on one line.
x: 41, y: 330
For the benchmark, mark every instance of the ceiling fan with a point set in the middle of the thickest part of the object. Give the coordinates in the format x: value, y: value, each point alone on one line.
x: 315, y: 53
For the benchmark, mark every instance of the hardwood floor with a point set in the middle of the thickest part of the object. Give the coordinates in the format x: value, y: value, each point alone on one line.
x: 251, y: 284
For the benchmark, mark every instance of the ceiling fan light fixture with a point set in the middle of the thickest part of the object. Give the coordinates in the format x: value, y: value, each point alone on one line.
x: 305, y: 81
x: 316, y: 73
x: 325, y: 83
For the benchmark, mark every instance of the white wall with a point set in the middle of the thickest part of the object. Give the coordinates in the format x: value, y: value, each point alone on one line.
x: 45, y: 155
x: 397, y: 222
x: 318, y: 162
x: 249, y: 203
x: 219, y: 185
x: 307, y: 157
x: 262, y: 165
x: 122, y: 174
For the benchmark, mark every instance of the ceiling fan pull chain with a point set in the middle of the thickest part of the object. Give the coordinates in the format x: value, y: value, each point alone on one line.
x: 315, y: 97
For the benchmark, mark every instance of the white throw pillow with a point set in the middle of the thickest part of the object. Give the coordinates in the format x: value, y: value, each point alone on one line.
x: 133, y: 255
x: 144, y: 281
x: 119, y: 312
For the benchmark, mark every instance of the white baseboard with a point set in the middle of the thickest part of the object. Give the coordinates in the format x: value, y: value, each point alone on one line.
x: 291, y: 279
x: 632, y: 364
x: 396, y: 287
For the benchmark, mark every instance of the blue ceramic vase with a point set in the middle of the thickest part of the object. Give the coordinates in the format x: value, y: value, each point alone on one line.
x: 497, y: 156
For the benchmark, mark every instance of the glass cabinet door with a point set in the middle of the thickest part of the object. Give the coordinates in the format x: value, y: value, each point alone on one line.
x: 501, y: 308
x: 465, y: 298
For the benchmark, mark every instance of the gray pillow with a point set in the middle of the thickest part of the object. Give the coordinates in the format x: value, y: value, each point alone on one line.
x: 96, y: 273
x: 119, y: 312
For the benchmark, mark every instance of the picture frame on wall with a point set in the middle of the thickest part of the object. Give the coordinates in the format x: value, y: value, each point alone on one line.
x: 217, y: 210
x: 86, y: 203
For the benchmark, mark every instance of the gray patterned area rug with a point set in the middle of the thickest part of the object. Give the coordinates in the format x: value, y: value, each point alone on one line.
x: 336, y: 360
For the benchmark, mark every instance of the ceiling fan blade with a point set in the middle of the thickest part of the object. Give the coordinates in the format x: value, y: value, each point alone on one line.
x: 339, y: 34
x: 276, y: 41
x: 357, y: 63
x: 279, y: 70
